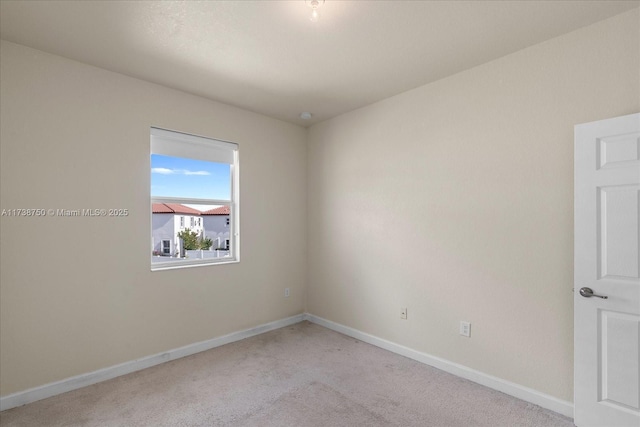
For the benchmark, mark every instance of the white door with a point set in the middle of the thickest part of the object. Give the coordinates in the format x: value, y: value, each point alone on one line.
x: 606, y: 263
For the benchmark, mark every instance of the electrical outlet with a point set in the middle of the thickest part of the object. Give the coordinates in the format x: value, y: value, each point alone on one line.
x: 465, y: 329
x: 286, y: 292
x: 403, y: 313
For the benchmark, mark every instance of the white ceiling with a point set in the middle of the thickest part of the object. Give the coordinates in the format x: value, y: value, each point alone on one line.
x: 268, y: 57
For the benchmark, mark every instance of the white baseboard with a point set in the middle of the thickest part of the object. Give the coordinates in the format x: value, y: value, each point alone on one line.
x: 521, y: 392
x: 73, y: 383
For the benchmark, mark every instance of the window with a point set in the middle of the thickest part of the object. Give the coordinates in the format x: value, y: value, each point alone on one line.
x: 196, y: 177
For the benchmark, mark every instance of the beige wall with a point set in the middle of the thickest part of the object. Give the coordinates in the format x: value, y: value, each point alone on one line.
x: 456, y: 200
x: 75, y: 136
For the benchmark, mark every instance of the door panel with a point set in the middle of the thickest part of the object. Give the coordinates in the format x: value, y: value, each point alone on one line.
x: 607, y: 260
x: 617, y: 150
x: 618, y: 223
x: 619, y: 359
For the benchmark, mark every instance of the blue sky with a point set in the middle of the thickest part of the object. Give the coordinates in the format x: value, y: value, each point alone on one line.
x: 179, y: 177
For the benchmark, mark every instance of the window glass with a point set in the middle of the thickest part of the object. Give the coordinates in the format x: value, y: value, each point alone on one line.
x: 195, y: 178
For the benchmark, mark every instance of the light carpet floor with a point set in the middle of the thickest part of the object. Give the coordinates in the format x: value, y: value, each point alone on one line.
x: 301, y: 375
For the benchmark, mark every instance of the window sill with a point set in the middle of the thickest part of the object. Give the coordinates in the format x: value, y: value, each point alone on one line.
x: 175, y: 265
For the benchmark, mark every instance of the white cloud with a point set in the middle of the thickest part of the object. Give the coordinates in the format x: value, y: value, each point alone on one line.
x: 165, y: 171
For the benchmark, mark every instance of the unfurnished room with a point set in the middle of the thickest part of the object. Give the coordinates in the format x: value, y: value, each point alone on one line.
x: 320, y: 213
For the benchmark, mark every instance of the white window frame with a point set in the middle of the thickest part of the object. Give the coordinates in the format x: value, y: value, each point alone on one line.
x: 163, y: 247
x: 178, y: 144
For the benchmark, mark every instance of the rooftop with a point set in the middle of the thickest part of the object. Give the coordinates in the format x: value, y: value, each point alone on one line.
x: 174, y: 208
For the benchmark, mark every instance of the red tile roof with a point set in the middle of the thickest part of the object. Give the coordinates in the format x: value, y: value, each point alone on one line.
x: 222, y: 210
x: 174, y: 208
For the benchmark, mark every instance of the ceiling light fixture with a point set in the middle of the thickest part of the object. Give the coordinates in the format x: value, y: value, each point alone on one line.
x: 305, y: 115
x: 315, y: 5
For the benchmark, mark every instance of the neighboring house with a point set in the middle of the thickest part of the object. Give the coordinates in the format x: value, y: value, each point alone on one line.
x: 216, y: 226
x: 169, y: 219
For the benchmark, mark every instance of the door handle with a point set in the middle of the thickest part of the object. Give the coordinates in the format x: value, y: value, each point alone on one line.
x: 588, y: 293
